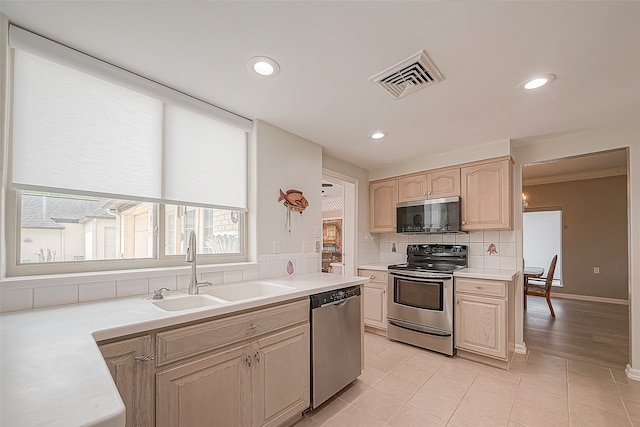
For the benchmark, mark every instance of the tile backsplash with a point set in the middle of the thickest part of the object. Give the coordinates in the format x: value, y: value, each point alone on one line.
x: 486, y: 248
x: 38, y: 292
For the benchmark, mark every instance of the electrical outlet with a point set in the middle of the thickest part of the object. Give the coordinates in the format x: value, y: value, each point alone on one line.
x: 596, y: 270
x: 276, y: 246
x: 317, y: 246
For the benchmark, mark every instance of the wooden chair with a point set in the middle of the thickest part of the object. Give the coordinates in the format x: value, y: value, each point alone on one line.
x: 543, y: 288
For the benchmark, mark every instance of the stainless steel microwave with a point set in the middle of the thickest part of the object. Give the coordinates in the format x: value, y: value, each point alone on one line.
x: 429, y: 216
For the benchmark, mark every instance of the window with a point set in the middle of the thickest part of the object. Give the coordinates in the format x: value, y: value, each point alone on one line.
x: 59, y: 228
x: 542, y: 239
x: 107, y: 168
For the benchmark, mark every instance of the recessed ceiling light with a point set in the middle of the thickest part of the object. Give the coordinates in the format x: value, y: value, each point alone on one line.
x: 264, y: 66
x: 537, y: 81
x: 378, y: 135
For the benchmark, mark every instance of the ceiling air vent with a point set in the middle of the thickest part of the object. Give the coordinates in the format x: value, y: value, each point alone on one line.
x: 410, y: 75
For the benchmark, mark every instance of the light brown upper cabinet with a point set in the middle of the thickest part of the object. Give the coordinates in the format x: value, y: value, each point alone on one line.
x: 443, y: 183
x: 432, y: 185
x: 412, y: 188
x: 486, y: 196
x: 383, y: 196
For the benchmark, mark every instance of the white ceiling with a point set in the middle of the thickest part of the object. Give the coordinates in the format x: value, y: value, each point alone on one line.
x: 610, y: 160
x: 328, y: 50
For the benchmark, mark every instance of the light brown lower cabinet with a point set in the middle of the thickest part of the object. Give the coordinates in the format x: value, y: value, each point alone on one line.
x: 375, y: 299
x: 262, y: 383
x: 484, y: 320
x: 130, y: 362
x: 258, y: 375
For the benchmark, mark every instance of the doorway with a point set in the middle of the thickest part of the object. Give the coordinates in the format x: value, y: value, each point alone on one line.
x: 592, y: 313
x: 339, y: 213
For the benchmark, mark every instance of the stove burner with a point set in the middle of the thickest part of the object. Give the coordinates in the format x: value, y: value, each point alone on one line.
x: 437, y: 258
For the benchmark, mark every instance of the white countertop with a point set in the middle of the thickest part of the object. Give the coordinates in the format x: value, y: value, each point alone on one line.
x: 486, y: 273
x: 53, y: 374
x: 381, y: 266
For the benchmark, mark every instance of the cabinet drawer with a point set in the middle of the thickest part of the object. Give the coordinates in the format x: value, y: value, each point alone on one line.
x: 482, y: 287
x: 374, y: 275
x: 184, y: 342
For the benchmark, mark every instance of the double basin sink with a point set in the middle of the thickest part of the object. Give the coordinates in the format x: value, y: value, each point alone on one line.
x: 218, y: 295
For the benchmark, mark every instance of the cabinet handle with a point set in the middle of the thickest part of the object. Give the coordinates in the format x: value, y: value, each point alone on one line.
x: 257, y: 356
x: 372, y: 277
x: 479, y: 287
x: 143, y: 358
x: 248, y: 360
x: 457, y: 302
x: 254, y: 326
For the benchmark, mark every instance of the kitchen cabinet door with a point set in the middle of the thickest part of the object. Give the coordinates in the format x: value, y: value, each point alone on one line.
x: 374, y: 298
x: 383, y: 196
x: 481, y: 325
x: 131, y: 367
x: 281, y: 376
x: 412, y: 188
x: 444, y: 183
x: 212, y: 391
x: 486, y: 196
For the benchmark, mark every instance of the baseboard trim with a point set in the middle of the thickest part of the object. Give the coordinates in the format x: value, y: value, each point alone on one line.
x: 590, y: 298
x: 632, y: 373
x: 521, y: 348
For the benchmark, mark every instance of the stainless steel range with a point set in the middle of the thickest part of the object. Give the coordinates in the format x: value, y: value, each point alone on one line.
x: 420, y: 297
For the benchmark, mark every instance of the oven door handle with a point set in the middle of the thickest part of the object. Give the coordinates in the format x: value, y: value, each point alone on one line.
x: 419, y: 328
x: 421, y: 278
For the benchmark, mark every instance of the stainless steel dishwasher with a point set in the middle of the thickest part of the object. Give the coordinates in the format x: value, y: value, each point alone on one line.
x: 336, y: 337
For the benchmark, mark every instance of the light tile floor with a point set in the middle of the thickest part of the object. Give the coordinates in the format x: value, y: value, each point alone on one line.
x: 403, y: 386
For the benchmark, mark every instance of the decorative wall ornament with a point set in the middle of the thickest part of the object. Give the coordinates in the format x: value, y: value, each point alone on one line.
x: 293, y: 201
x: 492, y: 249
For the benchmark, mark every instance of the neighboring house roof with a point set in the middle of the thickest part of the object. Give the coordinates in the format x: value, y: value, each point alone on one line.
x: 40, y: 211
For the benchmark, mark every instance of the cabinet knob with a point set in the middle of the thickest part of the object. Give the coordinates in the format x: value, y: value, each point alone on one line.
x: 457, y: 302
x: 372, y: 277
x: 257, y: 356
x: 254, y: 326
x: 464, y: 222
x: 479, y: 287
x: 143, y: 358
x: 248, y: 360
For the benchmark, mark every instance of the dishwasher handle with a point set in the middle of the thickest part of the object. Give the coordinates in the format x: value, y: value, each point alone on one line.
x: 340, y: 303
x: 335, y: 297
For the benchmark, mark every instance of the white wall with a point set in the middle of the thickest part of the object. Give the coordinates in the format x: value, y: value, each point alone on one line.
x: 285, y: 161
x: 580, y: 143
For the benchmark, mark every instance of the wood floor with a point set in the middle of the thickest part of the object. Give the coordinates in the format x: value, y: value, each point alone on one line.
x: 593, y: 332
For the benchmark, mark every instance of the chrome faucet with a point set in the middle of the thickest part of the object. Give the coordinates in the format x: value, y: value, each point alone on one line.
x: 191, y: 257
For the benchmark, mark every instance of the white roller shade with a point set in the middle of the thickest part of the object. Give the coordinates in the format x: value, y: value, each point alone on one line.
x: 27, y: 41
x: 83, y: 126
x: 206, y: 160
x: 74, y: 132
